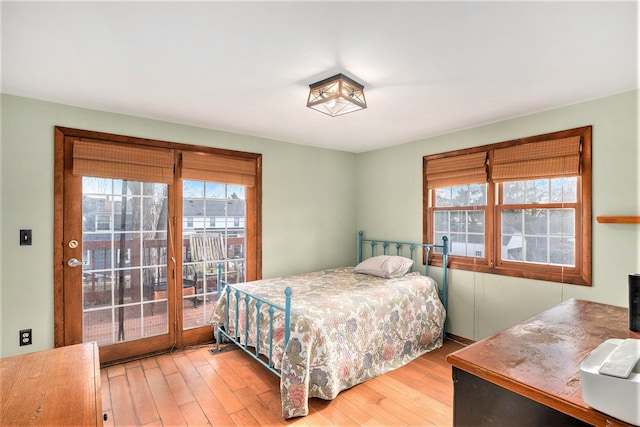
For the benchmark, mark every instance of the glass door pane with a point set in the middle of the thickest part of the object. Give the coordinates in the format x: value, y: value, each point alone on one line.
x: 124, y: 244
x: 213, y: 233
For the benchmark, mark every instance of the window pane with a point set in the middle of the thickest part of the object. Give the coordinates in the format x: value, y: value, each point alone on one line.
x: 91, y: 185
x: 475, y: 245
x: 236, y: 213
x: 155, y: 319
x: 458, y: 221
x: 152, y: 189
x: 562, y: 251
x: 536, y: 249
x: 476, y: 222
x: 151, y: 210
x: 236, y: 192
x: 512, y: 221
x: 159, y: 207
x: 460, y: 196
x: 443, y: 197
x: 154, y: 249
x: 535, y: 221
x: 512, y: 232
x: 192, y: 189
x: 119, y: 205
x: 537, y: 191
x: 564, y: 190
x: 194, y: 209
x: 478, y: 194
x: 513, y: 192
x: 134, y: 188
x: 215, y: 190
x: 98, y: 289
x: 458, y: 244
x: 441, y: 222
x: 216, y: 211
x: 235, y: 249
x: 562, y: 222
x: 512, y: 247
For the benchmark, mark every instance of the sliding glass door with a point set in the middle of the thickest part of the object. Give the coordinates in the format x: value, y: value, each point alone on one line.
x: 213, y: 234
x: 124, y: 252
x: 143, y: 226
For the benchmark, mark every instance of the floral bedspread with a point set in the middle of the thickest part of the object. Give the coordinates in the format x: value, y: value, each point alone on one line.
x: 346, y: 328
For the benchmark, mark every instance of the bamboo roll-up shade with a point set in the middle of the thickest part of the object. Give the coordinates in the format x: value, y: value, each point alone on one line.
x: 215, y: 168
x: 554, y: 158
x: 457, y: 170
x: 122, y: 161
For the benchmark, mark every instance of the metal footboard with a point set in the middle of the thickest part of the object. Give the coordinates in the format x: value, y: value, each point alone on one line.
x: 246, y: 298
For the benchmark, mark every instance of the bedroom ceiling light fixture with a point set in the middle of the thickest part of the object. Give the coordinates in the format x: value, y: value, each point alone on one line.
x: 336, y: 96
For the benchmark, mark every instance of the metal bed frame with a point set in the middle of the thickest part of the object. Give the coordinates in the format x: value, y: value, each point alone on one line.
x: 240, y: 295
x: 426, y: 247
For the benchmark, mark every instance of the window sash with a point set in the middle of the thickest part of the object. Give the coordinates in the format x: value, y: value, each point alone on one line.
x: 544, y: 229
x: 463, y: 236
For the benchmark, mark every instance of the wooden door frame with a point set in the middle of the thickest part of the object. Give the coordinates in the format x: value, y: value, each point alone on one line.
x: 253, y: 241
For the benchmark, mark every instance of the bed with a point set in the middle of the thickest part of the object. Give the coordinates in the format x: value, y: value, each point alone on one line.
x: 327, y: 331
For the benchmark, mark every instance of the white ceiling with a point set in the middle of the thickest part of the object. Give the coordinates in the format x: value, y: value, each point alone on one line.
x: 428, y: 67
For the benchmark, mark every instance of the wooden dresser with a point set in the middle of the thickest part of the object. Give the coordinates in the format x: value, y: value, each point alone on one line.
x: 528, y: 375
x: 59, y: 387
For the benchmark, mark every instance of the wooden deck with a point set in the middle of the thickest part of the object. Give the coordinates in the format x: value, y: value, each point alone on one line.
x: 98, y: 326
x: 187, y: 387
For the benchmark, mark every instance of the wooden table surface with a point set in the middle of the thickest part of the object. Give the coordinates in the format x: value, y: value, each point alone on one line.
x: 59, y: 387
x: 540, y: 358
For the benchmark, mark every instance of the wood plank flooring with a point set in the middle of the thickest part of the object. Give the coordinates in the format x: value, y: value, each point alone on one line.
x: 187, y: 387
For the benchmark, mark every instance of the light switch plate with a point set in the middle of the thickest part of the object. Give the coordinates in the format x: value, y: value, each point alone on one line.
x: 25, y: 237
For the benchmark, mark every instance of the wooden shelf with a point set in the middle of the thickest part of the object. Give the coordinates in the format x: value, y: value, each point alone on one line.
x: 618, y: 219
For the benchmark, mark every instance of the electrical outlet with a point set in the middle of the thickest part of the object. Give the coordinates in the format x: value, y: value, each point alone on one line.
x: 25, y: 337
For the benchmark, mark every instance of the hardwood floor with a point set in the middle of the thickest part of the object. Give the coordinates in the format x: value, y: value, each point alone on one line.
x: 187, y: 387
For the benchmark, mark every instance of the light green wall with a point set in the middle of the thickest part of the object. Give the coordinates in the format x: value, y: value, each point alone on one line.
x: 314, y: 200
x: 390, y: 202
x: 1, y: 246
x: 308, y: 204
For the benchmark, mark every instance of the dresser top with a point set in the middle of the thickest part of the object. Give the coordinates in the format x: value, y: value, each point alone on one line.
x: 540, y: 357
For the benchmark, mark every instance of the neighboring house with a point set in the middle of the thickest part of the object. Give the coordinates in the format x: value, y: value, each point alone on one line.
x: 213, y: 215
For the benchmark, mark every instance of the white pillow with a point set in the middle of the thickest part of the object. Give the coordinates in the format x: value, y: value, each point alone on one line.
x: 387, y: 266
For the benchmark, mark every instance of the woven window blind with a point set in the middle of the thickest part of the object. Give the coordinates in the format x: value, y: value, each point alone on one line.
x: 554, y: 158
x: 457, y: 170
x: 215, y: 168
x: 121, y: 161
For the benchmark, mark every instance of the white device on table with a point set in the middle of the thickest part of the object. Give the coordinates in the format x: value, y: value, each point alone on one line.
x: 610, y: 379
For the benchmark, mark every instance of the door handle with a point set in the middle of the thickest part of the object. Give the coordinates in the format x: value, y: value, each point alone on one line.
x: 73, y: 262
